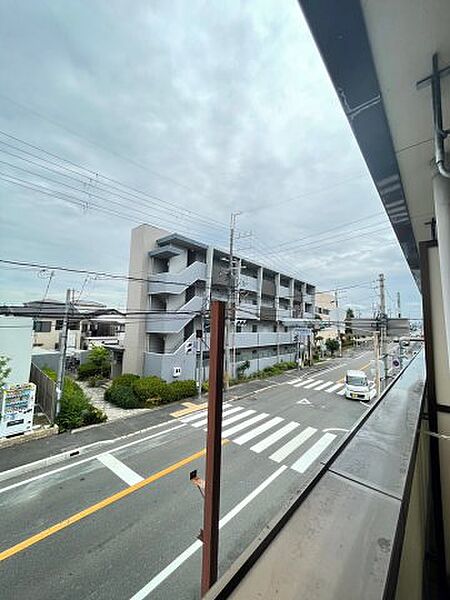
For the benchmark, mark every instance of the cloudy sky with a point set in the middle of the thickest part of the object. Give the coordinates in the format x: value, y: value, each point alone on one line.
x: 178, y: 113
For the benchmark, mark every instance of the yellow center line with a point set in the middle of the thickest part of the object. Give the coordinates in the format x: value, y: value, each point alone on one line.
x: 34, y: 539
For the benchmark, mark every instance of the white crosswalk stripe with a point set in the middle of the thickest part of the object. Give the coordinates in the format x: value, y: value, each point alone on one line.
x: 246, y: 437
x: 313, y: 384
x: 294, y: 381
x: 225, y: 414
x: 322, y: 386
x: 274, y: 437
x: 306, y: 460
x: 238, y: 417
x: 293, y: 444
x: 304, y: 382
x: 341, y: 392
x: 202, y: 413
x: 335, y: 387
x: 244, y: 425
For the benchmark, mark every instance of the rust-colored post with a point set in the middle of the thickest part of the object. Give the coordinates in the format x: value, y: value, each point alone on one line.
x: 213, y: 448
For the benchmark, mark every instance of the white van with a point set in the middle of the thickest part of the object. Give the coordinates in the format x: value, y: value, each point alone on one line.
x: 358, y: 387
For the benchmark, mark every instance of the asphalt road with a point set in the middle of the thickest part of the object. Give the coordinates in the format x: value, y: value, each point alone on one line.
x: 124, y: 523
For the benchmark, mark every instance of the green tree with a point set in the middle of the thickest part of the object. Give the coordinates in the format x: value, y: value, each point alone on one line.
x: 98, y: 363
x: 4, y: 370
x: 349, y: 315
x: 332, y: 345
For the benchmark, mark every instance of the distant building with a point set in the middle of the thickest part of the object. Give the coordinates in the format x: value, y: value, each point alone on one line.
x: 326, y: 316
x: 175, y: 278
x: 87, y: 325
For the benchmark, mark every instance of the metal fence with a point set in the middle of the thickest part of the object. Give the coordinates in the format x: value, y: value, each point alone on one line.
x: 45, y: 391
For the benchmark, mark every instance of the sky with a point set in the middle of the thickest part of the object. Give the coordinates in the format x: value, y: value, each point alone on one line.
x: 177, y: 114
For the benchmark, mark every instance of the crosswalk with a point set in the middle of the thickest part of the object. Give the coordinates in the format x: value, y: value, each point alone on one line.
x: 318, y: 385
x: 284, y: 441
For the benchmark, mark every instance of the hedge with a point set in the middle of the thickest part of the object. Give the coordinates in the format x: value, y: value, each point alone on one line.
x: 76, y: 410
x: 132, y: 391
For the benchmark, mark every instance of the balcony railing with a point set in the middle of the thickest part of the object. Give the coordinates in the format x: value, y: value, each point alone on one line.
x: 176, y: 283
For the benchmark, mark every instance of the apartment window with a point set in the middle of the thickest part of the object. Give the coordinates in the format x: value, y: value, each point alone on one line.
x: 254, y: 328
x: 42, y: 326
x: 73, y: 325
x: 254, y: 352
x: 286, y: 329
x: 274, y: 328
x: 238, y: 328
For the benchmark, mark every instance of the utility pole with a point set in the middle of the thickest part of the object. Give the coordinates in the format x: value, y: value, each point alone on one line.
x: 399, y: 311
x: 336, y: 302
x: 200, y: 334
x: 230, y: 324
x: 376, y: 348
x: 383, y: 318
x: 210, y: 532
x: 62, y: 356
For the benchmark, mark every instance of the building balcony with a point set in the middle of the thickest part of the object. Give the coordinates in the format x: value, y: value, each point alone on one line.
x: 248, y: 283
x: 285, y: 292
x: 176, y: 283
x: 171, y: 322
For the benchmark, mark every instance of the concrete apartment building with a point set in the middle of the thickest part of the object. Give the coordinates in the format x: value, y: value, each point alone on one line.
x: 176, y: 277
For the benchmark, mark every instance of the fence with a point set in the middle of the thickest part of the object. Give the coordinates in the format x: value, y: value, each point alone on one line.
x: 45, y: 391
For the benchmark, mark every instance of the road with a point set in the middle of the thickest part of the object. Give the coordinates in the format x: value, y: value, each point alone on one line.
x: 124, y: 523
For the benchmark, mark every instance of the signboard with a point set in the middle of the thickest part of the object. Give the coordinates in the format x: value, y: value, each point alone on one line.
x: 17, y: 409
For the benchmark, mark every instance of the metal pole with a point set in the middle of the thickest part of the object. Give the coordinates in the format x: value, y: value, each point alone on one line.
x: 377, y: 362
x: 383, y: 317
x: 399, y: 311
x: 62, y: 356
x: 210, y: 534
x: 231, y: 313
x: 200, y: 355
x: 336, y: 302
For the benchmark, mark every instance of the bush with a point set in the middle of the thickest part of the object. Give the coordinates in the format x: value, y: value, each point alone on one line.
x: 98, y: 363
x: 148, y: 388
x: 177, y: 390
x: 125, y: 379
x: 96, y: 380
x: 76, y: 410
x: 123, y: 396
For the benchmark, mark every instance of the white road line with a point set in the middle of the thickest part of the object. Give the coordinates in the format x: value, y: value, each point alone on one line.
x: 342, y: 392
x: 238, y: 417
x: 303, y: 383
x: 274, y: 437
x: 336, y: 386
x: 198, y: 415
x: 245, y: 437
x: 85, y: 460
x: 293, y: 444
x: 244, y: 425
x: 225, y: 413
x: 313, y: 384
x: 313, y: 453
x: 294, y: 381
x: 324, y: 385
x: 183, y: 557
x: 120, y: 469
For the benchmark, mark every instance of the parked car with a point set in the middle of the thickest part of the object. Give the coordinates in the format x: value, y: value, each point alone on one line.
x: 358, y: 386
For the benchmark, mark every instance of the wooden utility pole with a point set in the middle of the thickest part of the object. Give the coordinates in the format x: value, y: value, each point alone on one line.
x: 210, y: 533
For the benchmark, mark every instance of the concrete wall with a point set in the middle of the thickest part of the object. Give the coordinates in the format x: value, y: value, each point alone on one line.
x: 143, y: 239
x: 442, y: 381
x: 16, y: 339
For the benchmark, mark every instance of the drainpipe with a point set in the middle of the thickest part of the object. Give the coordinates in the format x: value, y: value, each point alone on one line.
x: 439, y: 132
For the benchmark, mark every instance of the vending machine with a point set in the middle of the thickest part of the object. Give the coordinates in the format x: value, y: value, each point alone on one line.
x: 17, y: 409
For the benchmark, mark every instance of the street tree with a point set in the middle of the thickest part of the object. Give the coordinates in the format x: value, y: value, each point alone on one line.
x: 332, y: 345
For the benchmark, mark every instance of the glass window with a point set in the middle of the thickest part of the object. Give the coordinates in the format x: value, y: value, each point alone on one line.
x: 42, y: 326
x: 356, y: 380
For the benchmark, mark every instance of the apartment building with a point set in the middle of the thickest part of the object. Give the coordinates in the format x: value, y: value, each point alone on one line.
x: 327, y: 315
x: 174, y: 278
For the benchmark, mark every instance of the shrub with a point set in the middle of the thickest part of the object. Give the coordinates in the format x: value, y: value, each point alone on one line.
x: 242, y: 368
x: 95, y: 380
x: 98, y: 363
x: 125, y: 379
x: 76, y: 410
x: 148, y: 388
x: 123, y: 396
x: 177, y: 390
